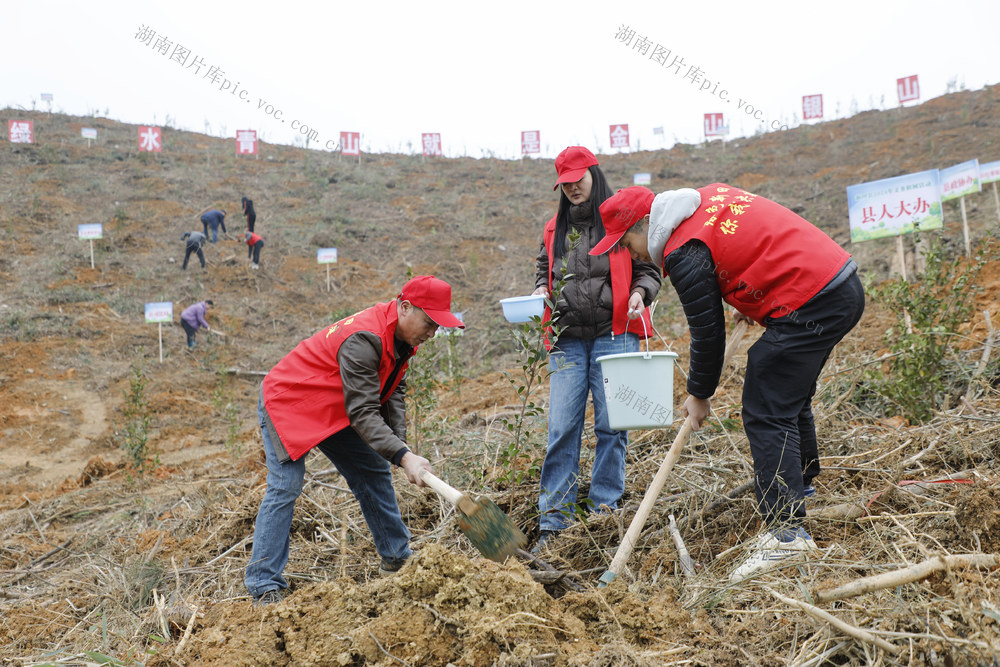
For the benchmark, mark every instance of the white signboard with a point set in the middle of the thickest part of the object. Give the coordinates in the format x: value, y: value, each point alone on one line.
x: 88, y: 132
x: 989, y: 172
x: 642, y: 178
x: 160, y: 312
x: 895, y: 206
x: 960, y: 180
x: 326, y: 256
x: 90, y: 231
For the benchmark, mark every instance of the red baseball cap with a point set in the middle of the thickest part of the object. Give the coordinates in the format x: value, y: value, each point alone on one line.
x: 572, y: 164
x: 619, y: 212
x: 433, y: 296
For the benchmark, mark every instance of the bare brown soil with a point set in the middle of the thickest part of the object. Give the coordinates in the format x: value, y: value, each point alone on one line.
x: 100, y: 564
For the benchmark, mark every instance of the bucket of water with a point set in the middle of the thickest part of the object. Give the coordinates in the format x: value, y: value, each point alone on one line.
x: 639, y: 389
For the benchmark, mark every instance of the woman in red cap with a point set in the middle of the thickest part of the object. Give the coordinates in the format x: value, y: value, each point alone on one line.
x: 597, y: 313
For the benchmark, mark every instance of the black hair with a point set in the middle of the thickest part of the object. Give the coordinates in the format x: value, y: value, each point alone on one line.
x: 209, y: 302
x: 248, y: 206
x: 599, y: 191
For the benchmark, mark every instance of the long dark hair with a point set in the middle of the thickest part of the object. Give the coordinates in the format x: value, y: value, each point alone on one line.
x: 248, y: 207
x: 599, y: 191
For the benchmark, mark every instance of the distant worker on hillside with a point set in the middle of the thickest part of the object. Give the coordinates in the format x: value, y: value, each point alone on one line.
x: 342, y: 391
x: 599, y: 311
x: 214, y: 218
x: 720, y: 243
x: 254, y: 243
x: 249, y: 213
x: 195, y: 240
x: 193, y: 318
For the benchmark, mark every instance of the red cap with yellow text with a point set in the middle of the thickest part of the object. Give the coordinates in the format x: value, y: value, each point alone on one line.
x: 572, y: 164
x: 433, y: 296
x: 619, y: 212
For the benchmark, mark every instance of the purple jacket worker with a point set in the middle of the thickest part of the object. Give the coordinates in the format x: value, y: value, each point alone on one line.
x: 193, y: 318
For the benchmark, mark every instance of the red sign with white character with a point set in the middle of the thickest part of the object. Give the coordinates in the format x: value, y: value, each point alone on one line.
x: 619, y: 136
x: 21, y: 131
x: 715, y: 125
x: 431, y: 142
x: 812, y: 107
x: 350, y: 143
x: 150, y: 139
x: 908, y: 88
x: 530, y: 142
x: 246, y: 142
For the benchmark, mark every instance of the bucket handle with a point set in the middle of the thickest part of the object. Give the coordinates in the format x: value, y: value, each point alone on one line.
x: 645, y: 335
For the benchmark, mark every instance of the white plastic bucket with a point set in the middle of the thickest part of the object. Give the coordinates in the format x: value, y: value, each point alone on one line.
x: 639, y: 389
x: 523, y: 308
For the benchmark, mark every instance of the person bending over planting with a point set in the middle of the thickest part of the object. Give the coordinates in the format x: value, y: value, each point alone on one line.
x: 720, y: 243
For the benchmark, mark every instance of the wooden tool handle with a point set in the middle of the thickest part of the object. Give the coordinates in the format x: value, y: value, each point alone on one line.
x: 449, y: 493
x: 734, y: 341
x: 464, y: 503
x: 648, y: 500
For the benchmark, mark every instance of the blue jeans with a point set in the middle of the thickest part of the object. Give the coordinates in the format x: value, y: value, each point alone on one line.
x: 367, y: 474
x: 575, y: 374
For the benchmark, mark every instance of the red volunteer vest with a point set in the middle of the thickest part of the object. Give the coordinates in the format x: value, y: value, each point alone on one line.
x: 303, y: 393
x: 621, y: 287
x: 768, y: 260
x: 253, y: 239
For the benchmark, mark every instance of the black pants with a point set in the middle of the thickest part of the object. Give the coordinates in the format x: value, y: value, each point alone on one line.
x: 190, y: 331
x: 193, y: 247
x: 255, y: 251
x: 251, y: 218
x: 783, y: 367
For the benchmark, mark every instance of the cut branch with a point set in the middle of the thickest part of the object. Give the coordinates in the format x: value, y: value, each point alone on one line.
x: 906, y: 575
x: 843, y: 626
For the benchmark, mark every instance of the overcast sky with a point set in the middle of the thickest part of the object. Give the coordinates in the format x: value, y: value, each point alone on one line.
x: 480, y: 73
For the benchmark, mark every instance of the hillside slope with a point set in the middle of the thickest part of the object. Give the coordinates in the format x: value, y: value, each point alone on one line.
x: 94, y: 558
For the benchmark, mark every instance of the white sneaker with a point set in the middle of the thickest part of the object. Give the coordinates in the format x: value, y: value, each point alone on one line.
x: 255, y: 266
x: 771, y: 548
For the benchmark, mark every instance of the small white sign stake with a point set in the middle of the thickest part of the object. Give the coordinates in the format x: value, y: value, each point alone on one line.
x: 965, y: 228
x: 160, y: 312
x: 326, y: 256
x: 90, y: 232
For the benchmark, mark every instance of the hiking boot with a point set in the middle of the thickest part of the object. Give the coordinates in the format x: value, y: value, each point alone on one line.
x: 273, y: 596
x: 770, y: 549
x: 543, y: 537
x: 390, y: 566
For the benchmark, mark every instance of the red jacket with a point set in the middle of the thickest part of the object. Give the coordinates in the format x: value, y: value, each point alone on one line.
x: 303, y: 393
x: 253, y: 239
x: 621, y: 287
x: 768, y: 260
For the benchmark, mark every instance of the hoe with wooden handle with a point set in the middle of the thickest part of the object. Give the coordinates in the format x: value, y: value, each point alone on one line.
x: 653, y: 492
x: 487, y: 527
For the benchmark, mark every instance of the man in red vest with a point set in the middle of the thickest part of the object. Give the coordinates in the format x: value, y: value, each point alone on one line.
x: 720, y: 243
x: 341, y: 390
